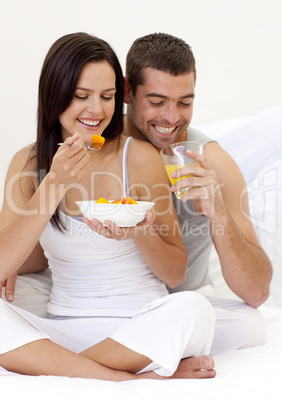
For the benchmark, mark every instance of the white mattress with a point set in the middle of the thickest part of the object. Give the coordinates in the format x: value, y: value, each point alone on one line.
x: 253, y: 374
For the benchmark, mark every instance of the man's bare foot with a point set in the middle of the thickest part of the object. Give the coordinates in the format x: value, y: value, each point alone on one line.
x: 195, y: 367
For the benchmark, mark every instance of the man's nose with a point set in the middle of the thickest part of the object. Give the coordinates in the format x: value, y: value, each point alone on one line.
x: 170, y: 114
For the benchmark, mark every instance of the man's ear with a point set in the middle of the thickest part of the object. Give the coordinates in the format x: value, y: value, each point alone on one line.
x: 127, y: 91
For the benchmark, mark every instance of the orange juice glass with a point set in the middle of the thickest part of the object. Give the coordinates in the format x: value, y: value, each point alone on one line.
x: 174, y: 157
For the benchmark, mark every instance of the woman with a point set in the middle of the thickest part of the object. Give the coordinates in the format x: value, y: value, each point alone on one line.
x: 110, y: 315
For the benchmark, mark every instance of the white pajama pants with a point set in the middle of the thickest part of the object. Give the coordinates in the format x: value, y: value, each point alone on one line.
x: 166, y: 330
x: 237, y: 326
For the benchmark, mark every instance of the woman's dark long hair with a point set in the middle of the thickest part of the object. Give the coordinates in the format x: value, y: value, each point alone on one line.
x: 57, y: 85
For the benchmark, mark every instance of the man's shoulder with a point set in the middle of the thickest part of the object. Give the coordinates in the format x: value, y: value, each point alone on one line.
x: 195, y: 135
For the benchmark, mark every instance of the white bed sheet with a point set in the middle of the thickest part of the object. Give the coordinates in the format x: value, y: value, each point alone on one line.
x: 252, y: 374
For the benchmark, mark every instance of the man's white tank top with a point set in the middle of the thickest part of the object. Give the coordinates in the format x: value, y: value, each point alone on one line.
x: 95, y: 276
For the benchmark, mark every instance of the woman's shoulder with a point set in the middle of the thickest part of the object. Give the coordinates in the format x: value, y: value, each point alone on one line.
x: 142, y: 149
x: 144, y: 162
x: 24, y: 159
x: 22, y: 177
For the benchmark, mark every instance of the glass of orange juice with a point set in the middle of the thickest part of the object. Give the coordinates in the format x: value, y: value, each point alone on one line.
x: 174, y: 157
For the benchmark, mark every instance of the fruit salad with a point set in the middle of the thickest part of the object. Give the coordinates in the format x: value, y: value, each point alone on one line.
x: 125, y: 200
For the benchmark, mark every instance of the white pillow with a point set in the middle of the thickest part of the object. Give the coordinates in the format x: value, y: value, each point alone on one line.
x: 254, y: 142
x: 266, y: 214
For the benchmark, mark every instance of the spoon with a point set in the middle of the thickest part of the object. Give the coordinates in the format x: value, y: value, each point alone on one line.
x: 87, y: 146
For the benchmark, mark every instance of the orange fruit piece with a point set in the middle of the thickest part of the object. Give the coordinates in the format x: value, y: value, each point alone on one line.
x: 98, y: 141
x: 126, y: 200
x: 102, y: 201
x: 130, y: 201
x: 118, y: 201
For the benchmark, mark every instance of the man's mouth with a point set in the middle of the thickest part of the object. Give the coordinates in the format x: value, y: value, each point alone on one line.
x: 164, y: 130
x: 90, y: 123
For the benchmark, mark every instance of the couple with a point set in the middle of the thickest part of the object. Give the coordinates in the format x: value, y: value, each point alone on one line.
x: 124, y: 309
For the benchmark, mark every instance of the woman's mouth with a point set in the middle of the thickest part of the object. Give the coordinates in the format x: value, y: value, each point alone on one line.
x: 89, y: 123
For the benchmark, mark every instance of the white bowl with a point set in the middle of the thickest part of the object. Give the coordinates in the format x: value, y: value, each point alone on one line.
x: 123, y: 215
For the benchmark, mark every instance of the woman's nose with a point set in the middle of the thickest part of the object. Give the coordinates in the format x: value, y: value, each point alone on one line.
x: 94, y: 106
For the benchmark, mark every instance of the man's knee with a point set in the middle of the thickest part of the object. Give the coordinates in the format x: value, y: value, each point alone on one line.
x: 255, y: 327
x: 237, y: 326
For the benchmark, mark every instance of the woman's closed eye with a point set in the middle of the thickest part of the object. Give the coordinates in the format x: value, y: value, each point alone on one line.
x: 81, y: 96
x: 106, y: 97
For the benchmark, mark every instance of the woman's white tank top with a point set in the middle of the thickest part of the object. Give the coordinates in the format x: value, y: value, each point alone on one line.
x: 95, y: 276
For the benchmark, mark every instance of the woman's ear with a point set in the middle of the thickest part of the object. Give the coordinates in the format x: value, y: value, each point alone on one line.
x: 127, y: 91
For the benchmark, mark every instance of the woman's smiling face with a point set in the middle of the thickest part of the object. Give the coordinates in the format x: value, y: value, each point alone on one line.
x: 93, y: 104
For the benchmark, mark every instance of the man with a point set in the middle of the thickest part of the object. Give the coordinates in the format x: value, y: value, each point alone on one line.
x: 159, y: 92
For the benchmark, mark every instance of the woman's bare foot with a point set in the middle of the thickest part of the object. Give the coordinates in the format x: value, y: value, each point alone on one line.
x: 195, y: 367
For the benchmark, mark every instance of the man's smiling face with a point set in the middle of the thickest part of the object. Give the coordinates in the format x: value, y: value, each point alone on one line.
x: 162, y: 107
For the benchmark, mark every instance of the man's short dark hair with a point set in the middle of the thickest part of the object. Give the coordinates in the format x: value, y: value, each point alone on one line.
x: 160, y: 51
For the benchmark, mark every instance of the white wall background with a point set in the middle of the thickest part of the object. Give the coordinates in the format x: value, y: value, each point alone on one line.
x: 237, y: 45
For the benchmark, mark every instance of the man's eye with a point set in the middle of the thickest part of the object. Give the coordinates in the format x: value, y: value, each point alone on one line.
x: 186, y: 104
x: 156, y: 103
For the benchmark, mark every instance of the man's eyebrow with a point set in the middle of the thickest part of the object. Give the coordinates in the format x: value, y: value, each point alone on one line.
x: 156, y: 95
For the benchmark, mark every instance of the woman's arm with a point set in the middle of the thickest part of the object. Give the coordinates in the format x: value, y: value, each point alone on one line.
x: 36, y: 262
x: 27, y: 207
x: 22, y: 219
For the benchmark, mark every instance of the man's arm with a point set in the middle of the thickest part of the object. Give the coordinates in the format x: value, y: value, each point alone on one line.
x: 221, y: 196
